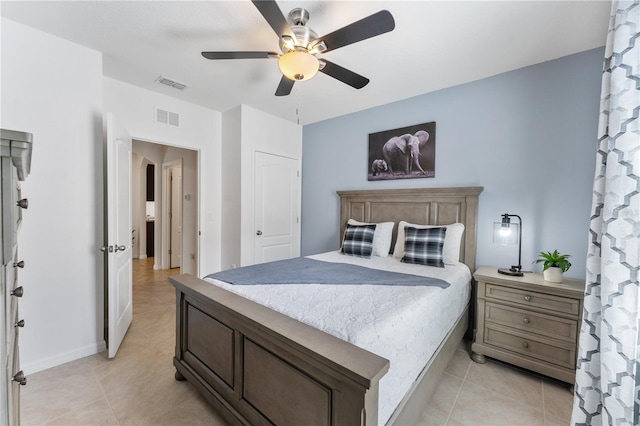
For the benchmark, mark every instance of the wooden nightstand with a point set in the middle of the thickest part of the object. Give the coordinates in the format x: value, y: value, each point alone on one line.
x: 528, y: 322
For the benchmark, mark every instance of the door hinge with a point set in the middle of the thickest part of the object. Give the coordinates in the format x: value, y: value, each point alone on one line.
x: 169, y: 251
x: 298, y: 173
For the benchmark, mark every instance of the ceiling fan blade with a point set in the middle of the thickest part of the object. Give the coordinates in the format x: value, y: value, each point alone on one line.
x: 371, y: 26
x: 238, y: 55
x: 344, y: 75
x: 285, y: 86
x: 274, y: 17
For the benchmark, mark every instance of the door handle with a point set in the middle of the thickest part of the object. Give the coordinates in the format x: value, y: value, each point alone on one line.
x: 112, y: 249
x: 258, y: 232
x: 20, y: 378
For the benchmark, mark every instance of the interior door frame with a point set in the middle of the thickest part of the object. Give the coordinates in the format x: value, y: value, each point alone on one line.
x: 166, y: 228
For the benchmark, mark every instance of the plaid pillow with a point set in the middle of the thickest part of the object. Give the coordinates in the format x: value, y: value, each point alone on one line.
x: 358, y: 240
x: 424, y: 246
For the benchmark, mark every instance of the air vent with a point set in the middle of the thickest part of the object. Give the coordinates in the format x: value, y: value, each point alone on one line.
x: 167, y: 117
x: 171, y: 83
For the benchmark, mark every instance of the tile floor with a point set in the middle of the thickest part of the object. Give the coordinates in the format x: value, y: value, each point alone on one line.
x: 137, y: 387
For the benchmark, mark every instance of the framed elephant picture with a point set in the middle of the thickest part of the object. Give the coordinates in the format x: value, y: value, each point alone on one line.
x: 404, y: 153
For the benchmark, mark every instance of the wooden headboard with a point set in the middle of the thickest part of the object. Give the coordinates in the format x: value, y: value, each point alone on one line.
x: 425, y: 206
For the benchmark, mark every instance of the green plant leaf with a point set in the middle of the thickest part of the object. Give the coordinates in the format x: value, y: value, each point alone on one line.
x: 554, y: 259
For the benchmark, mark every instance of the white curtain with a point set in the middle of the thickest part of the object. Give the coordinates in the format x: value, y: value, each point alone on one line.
x: 608, y: 375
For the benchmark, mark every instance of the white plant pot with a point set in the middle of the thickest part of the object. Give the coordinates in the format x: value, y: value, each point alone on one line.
x: 553, y: 274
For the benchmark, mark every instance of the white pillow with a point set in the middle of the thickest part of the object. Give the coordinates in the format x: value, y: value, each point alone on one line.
x: 382, y: 237
x: 452, y: 239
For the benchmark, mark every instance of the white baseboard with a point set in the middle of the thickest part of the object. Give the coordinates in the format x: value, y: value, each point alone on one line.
x: 54, y: 361
x: 156, y: 267
x: 142, y: 256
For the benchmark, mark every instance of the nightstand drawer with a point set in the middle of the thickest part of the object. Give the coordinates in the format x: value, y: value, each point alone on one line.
x: 531, y: 346
x: 521, y: 319
x: 533, y: 299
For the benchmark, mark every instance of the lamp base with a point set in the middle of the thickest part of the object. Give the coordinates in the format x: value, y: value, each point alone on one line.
x: 511, y: 271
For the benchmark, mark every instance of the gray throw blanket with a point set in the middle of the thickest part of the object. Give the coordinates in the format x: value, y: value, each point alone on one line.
x: 303, y: 270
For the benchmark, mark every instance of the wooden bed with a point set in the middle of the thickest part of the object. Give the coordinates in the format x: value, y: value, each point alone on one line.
x: 259, y: 367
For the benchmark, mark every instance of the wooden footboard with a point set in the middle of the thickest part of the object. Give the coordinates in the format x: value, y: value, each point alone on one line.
x: 259, y: 367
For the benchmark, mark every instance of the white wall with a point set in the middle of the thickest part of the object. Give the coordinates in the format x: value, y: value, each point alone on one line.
x: 53, y: 89
x: 200, y: 129
x: 247, y: 130
x: 231, y: 188
x: 59, y: 95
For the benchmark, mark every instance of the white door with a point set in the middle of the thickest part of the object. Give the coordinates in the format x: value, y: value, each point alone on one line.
x: 176, y: 216
x: 118, y: 244
x: 276, y: 203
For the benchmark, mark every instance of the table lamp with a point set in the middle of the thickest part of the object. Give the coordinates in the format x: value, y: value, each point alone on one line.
x: 508, y: 233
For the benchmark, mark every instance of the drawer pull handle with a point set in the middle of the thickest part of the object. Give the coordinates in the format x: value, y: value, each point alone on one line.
x: 19, y: 264
x: 23, y: 204
x: 526, y: 320
x: 20, y: 323
x: 19, y: 377
x: 527, y: 298
x: 525, y: 345
x: 17, y: 292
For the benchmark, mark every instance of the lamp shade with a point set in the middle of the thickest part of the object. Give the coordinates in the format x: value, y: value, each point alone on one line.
x: 505, y: 234
x: 298, y: 66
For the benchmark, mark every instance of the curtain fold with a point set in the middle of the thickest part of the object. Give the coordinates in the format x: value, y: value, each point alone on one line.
x: 608, y: 370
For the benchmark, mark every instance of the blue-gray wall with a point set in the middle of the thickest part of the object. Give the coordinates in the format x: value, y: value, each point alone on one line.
x: 527, y: 136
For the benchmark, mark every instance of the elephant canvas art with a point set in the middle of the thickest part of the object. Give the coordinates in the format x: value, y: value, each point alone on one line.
x: 404, y: 153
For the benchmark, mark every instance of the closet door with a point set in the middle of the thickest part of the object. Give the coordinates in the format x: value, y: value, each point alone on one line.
x: 276, y: 208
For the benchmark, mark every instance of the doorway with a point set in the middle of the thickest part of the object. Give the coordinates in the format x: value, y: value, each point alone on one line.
x: 128, y: 163
x: 165, y: 206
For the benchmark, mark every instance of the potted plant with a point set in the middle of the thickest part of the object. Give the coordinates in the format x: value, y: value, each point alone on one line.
x: 554, y: 264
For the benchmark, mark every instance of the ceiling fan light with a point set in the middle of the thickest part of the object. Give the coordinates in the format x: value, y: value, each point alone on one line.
x: 298, y: 65
x: 317, y: 47
x: 288, y: 43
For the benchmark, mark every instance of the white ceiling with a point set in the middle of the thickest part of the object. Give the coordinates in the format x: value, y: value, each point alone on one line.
x: 435, y: 44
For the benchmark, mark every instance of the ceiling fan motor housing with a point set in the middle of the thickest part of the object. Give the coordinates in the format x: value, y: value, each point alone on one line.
x: 305, y: 36
x: 299, y: 16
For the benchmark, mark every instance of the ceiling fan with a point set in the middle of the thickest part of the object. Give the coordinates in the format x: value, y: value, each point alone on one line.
x: 300, y: 45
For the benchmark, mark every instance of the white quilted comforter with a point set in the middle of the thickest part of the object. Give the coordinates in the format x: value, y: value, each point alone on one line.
x: 400, y: 323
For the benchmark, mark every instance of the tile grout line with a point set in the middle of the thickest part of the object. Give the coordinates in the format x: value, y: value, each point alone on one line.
x: 77, y: 411
x: 509, y: 396
x: 106, y: 397
x: 455, y: 400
